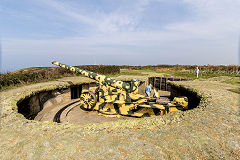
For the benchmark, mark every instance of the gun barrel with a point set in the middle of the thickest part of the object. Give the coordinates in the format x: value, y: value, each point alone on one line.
x: 98, y: 77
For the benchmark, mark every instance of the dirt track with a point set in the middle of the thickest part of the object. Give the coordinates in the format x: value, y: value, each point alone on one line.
x: 211, y: 131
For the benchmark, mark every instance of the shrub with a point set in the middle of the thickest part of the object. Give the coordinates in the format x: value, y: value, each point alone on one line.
x: 39, y: 74
x: 232, y: 69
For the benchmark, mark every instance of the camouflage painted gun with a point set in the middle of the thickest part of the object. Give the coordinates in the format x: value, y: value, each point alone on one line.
x: 114, y: 97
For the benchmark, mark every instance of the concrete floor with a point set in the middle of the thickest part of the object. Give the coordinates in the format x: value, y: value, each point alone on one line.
x: 75, y: 115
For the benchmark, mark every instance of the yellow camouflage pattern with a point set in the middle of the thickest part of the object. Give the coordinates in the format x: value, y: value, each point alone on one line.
x: 113, y: 97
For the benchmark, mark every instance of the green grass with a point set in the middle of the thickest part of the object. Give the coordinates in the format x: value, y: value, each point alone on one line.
x: 17, y: 79
x: 177, y: 74
x: 237, y: 90
x: 234, y: 81
x: 23, y: 84
x: 43, y: 74
x: 127, y: 72
x: 204, y: 75
x: 132, y: 72
x: 210, y: 75
x: 182, y: 74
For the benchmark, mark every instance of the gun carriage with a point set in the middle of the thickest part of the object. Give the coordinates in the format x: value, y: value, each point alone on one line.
x: 114, y: 97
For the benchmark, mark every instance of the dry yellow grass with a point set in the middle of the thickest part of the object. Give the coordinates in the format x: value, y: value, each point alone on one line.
x: 210, y: 131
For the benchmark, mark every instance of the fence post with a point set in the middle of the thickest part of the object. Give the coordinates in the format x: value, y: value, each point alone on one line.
x: 166, y: 84
x: 160, y: 83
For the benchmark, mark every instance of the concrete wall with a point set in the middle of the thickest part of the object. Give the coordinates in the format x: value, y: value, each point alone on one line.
x: 31, y: 106
x: 177, y: 91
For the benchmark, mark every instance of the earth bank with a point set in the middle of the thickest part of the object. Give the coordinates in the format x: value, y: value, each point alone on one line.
x: 211, y: 131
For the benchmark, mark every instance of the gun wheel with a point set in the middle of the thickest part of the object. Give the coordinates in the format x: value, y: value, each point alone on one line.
x: 88, y: 99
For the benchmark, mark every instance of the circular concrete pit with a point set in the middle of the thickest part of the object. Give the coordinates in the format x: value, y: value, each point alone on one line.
x: 62, y: 105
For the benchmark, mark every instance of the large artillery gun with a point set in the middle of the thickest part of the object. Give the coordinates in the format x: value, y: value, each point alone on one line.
x: 114, y: 97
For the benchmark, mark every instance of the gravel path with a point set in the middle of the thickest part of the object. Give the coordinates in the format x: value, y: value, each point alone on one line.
x: 211, y: 131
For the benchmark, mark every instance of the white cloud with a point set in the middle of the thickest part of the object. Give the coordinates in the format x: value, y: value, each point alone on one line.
x: 209, y: 37
x: 216, y: 15
x: 68, y: 10
x: 121, y: 19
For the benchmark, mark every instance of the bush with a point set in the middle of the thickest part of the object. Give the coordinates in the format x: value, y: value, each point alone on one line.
x: 101, y: 69
x: 40, y: 74
x: 232, y: 69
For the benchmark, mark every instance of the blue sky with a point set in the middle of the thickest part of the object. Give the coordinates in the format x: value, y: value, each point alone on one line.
x: 122, y: 32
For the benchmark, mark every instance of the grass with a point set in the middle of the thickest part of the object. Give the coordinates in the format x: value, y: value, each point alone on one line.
x: 127, y: 72
x: 237, y: 90
x: 180, y: 74
x: 205, y: 68
x: 17, y: 76
x: 23, y: 84
x: 132, y: 72
x: 234, y: 81
x: 43, y: 74
x: 205, y: 75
